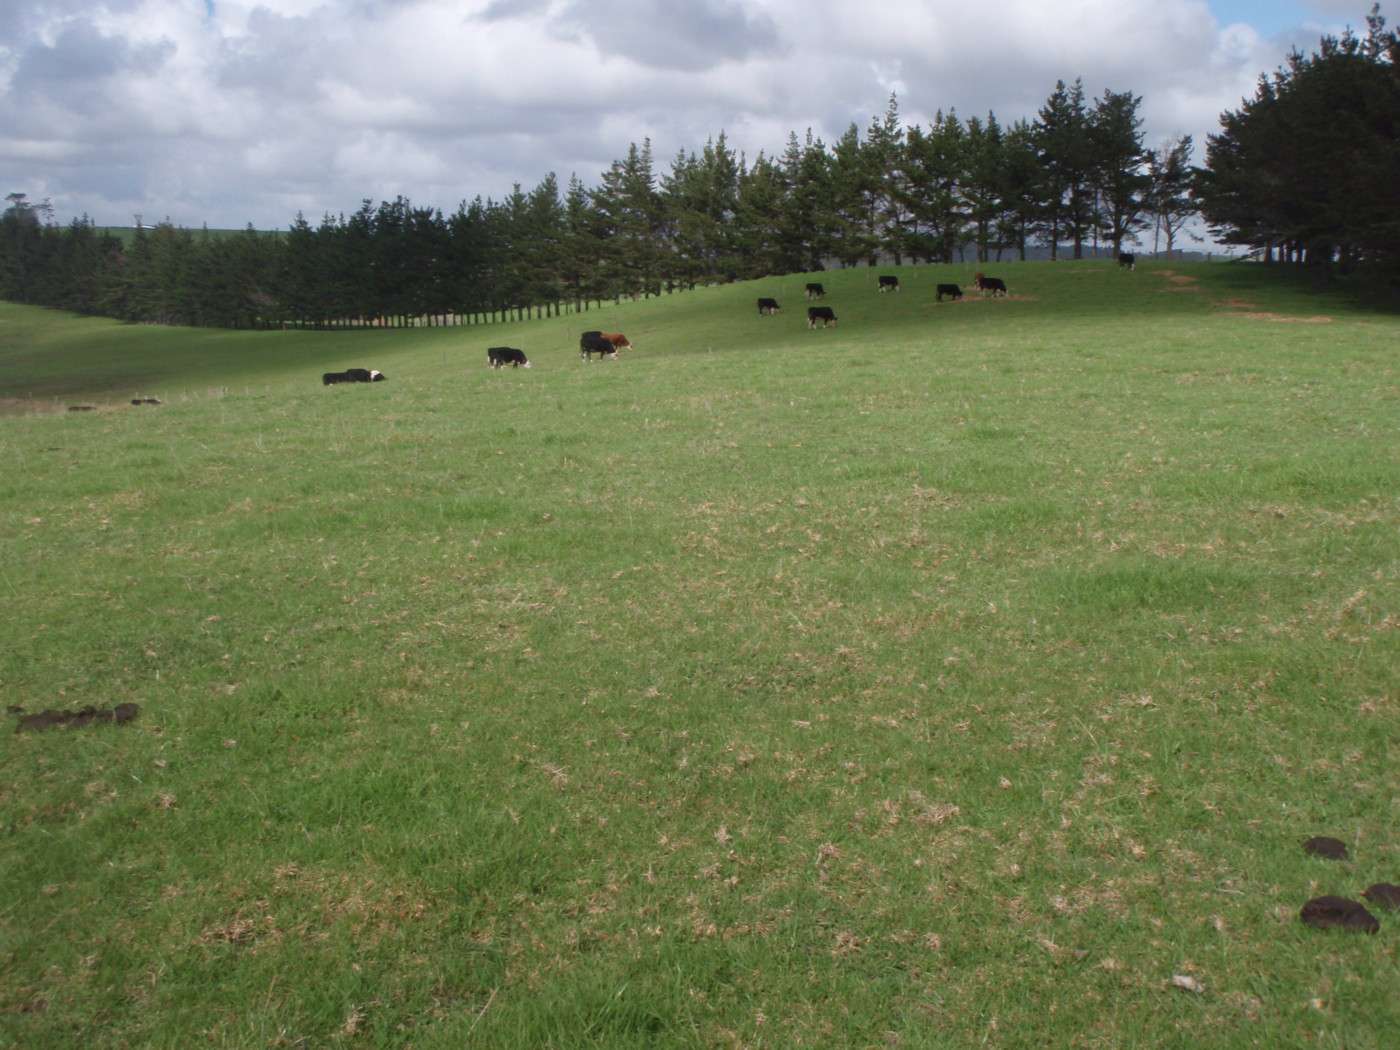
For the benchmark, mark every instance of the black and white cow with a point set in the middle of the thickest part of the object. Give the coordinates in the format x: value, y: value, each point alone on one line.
x: 500, y: 356
x: 823, y: 314
x: 815, y: 291
x: 591, y: 343
x: 889, y: 283
x: 768, y: 306
x: 1127, y: 260
x: 353, y: 375
x: 951, y: 290
x: 987, y: 284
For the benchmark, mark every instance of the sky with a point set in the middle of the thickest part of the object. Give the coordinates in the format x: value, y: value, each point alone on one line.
x: 230, y: 112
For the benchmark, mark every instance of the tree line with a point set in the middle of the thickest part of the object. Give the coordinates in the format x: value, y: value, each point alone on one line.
x: 1077, y: 175
x: 1307, y: 168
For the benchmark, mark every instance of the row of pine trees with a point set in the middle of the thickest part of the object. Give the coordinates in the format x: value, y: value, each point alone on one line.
x: 1307, y: 170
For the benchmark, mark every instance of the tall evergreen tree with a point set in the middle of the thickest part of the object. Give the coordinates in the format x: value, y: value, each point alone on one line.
x: 759, y: 217
x: 854, y: 207
x: 1023, y: 186
x: 806, y: 223
x: 1066, y: 155
x: 884, y: 156
x: 983, y: 177
x: 1115, y: 139
x: 934, y: 167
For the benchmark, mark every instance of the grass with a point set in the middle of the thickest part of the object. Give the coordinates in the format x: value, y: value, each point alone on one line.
x: 959, y: 675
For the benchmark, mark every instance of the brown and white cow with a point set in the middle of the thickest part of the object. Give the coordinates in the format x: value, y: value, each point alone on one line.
x: 987, y: 284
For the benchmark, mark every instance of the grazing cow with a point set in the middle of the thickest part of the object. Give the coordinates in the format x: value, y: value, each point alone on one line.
x: 591, y: 343
x: 1127, y: 260
x: 500, y: 356
x: 820, y: 313
x: 889, y: 283
x: 353, y: 375
x: 989, y: 284
x: 815, y: 291
x: 949, y: 289
x: 768, y: 306
x: 618, y: 340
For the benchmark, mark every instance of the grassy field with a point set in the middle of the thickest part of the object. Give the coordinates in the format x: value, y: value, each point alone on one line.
x: 958, y: 676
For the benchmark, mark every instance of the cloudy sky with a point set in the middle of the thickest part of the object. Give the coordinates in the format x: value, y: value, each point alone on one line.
x: 234, y: 111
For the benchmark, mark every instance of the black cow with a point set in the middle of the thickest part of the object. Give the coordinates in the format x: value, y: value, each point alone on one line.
x: 591, y: 343
x: 889, y: 283
x: 949, y: 289
x: 989, y: 284
x: 768, y: 306
x: 1127, y: 260
x: 815, y: 291
x: 500, y: 356
x: 353, y: 375
x: 820, y: 313
x: 145, y: 401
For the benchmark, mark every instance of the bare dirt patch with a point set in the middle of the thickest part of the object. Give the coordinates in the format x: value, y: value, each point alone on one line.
x: 967, y: 300
x: 24, y: 406
x: 1265, y: 315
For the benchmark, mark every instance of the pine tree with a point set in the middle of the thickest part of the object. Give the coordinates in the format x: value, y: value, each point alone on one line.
x: 759, y: 211
x: 1115, y: 138
x: 884, y: 155
x: 934, y: 168
x: 1065, y: 152
x: 853, y: 209
x: 983, y: 180
x: 806, y: 223
x: 1023, y: 187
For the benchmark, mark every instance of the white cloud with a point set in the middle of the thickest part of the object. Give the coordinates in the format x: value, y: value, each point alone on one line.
x: 253, y: 109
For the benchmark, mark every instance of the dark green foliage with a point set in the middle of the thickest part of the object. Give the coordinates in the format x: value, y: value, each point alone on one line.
x: 1309, y: 165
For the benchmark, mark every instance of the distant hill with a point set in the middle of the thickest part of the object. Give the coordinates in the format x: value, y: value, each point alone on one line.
x: 126, y: 234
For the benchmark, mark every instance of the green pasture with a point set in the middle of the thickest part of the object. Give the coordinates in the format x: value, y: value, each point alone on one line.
x: 958, y: 676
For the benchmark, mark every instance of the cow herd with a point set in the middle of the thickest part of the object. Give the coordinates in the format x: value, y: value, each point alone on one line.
x: 824, y: 315
x: 607, y: 344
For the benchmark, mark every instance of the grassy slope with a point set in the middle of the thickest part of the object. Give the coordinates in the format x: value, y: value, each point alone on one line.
x: 959, y: 674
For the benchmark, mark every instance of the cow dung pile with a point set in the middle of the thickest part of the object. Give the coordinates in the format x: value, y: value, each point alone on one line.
x: 84, y: 716
x: 1325, y: 913
x: 1341, y: 913
x: 1384, y: 895
x: 1324, y: 846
